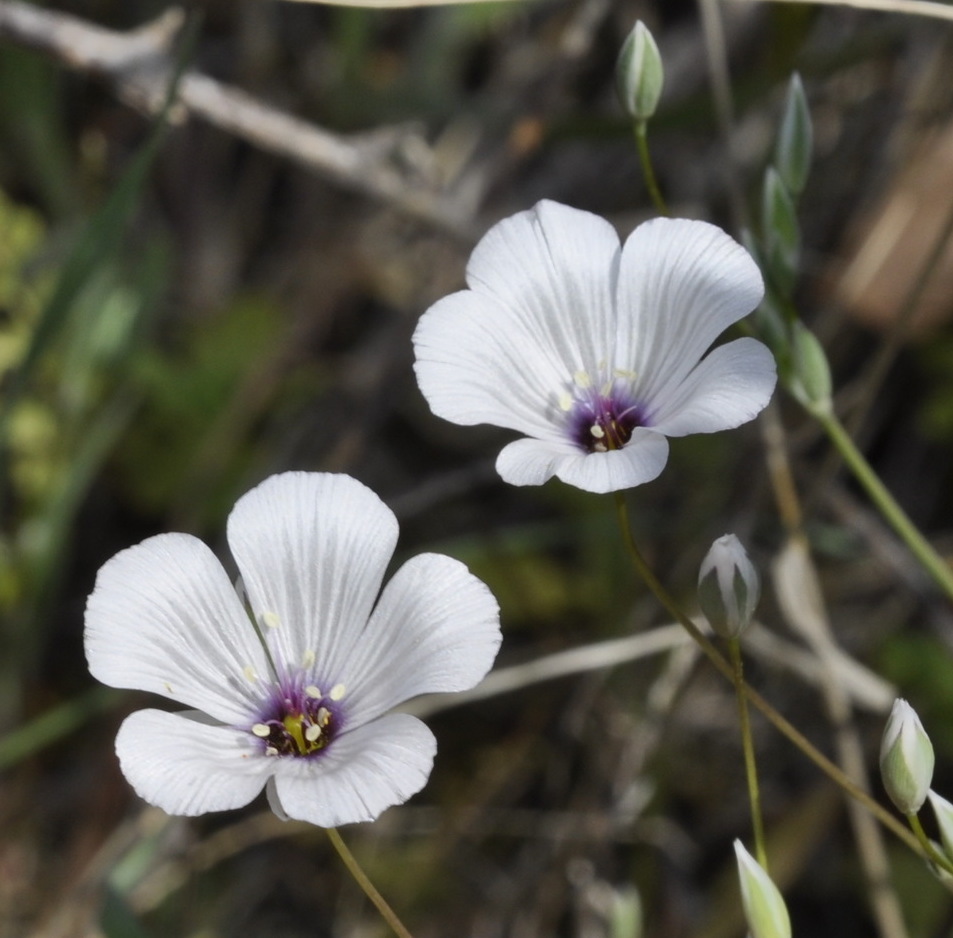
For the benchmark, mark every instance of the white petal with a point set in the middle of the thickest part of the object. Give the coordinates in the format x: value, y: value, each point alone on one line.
x: 639, y: 461
x: 312, y: 549
x: 188, y: 767
x: 533, y: 462
x: 436, y: 629
x: 681, y: 284
x: 539, y: 311
x: 164, y: 617
x: 480, y: 362
x: 731, y: 386
x: 555, y: 267
x: 359, y: 775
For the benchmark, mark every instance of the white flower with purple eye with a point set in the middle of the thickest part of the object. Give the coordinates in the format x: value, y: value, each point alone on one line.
x: 595, y: 352
x: 293, y: 680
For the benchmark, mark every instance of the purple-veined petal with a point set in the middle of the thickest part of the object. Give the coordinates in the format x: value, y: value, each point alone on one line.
x: 729, y: 387
x: 186, y: 766
x: 555, y: 268
x: 362, y: 773
x: 435, y: 629
x: 164, y: 618
x: 639, y: 461
x: 681, y: 284
x: 312, y: 549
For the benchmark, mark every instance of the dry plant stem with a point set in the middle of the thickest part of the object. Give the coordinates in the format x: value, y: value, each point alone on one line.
x: 807, y: 616
x: 645, y: 158
x: 354, y: 868
x: 932, y: 562
x: 751, y: 767
x: 940, y: 11
x: 139, y: 64
x: 780, y: 722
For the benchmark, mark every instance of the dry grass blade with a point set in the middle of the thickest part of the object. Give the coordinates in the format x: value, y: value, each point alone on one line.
x: 940, y: 11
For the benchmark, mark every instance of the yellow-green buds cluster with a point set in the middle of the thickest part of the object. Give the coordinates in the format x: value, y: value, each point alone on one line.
x: 906, y: 759
x: 639, y: 74
x: 728, y: 587
x: 765, y: 911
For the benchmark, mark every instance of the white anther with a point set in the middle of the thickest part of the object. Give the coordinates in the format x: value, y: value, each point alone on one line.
x: 261, y: 729
x: 582, y: 379
x: 313, y: 691
x: 270, y: 619
x: 337, y: 692
x: 324, y: 716
x: 624, y: 373
x: 565, y: 401
x: 167, y: 686
x: 271, y: 751
x: 597, y: 431
x: 249, y: 673
x: 312, y: 732
x: 307, y: 659
x: 601, y: 448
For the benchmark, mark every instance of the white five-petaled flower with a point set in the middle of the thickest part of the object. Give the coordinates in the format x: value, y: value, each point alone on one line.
x: 595, y: 352
x: 294, y: 678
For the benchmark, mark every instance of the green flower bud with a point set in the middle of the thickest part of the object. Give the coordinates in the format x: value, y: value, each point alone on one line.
x: 795, y: 145
x: 944, y: 819
x: 765, y: 911
x: 781, y: 232
x: 639, y: 74
x: 728, y: 587
x: 809, y: 377
x: 906, y: 759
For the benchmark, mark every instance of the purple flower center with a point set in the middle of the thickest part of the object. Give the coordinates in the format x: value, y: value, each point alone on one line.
x: 299, y: 720
x: 600, y: 421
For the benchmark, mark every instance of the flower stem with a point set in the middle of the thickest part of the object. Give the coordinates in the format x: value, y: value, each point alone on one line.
x: 751, y: 768
x: 933, y: 856
x: 387, y: 913
x: 919, y: 546
x: 780, y: 722
x: 642, y: 141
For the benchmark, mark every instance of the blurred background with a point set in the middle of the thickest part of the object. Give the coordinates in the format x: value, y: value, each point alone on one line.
x: 189, y: 305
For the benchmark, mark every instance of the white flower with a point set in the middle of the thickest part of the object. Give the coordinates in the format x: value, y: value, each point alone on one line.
x: 595, y: 352
x: 293, y: 680
x: 728, y: 587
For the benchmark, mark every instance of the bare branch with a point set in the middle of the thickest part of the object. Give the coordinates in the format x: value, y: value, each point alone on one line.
x: 139, y: 64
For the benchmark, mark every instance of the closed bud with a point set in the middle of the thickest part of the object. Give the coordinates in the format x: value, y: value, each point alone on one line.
x: 809, y: 375
x: 639, y: 74
x: 906, y: 759
x: 728, y: 587
x: 765, y: 911
x: 944, y: 820
x: 795, y: 145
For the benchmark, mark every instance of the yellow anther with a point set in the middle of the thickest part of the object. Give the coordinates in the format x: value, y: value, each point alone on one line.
x: 249, y: 673
x: 270, y: 619
x: 597, y: 431
x: 307, y: 659
x: 313, y: 691
x: 337, y: 692
x: 582, y: 379
x: 261, y: 729
x: 324, y: 716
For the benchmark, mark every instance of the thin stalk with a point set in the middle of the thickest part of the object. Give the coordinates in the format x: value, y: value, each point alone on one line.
x: 933, y: 855
x: 780, y: 722
x: 645, y: 158
x: 747, y: 742
x: 354, y: 868
x: 919, y: 546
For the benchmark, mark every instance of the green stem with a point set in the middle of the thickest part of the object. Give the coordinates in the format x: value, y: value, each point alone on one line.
x: 919, y: 546
x: 933, y: 856
x: 642, y: 141
x: 751, y: 768
x: 780, y: 722
x: 387, y: 913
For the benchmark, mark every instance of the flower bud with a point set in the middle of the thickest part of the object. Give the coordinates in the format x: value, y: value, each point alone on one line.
x: 906, y: 759
x: 944, y: 820
x: 795, y: 145
x: 765, y: 911
x: 639, y: 74
x: 728, y: 587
